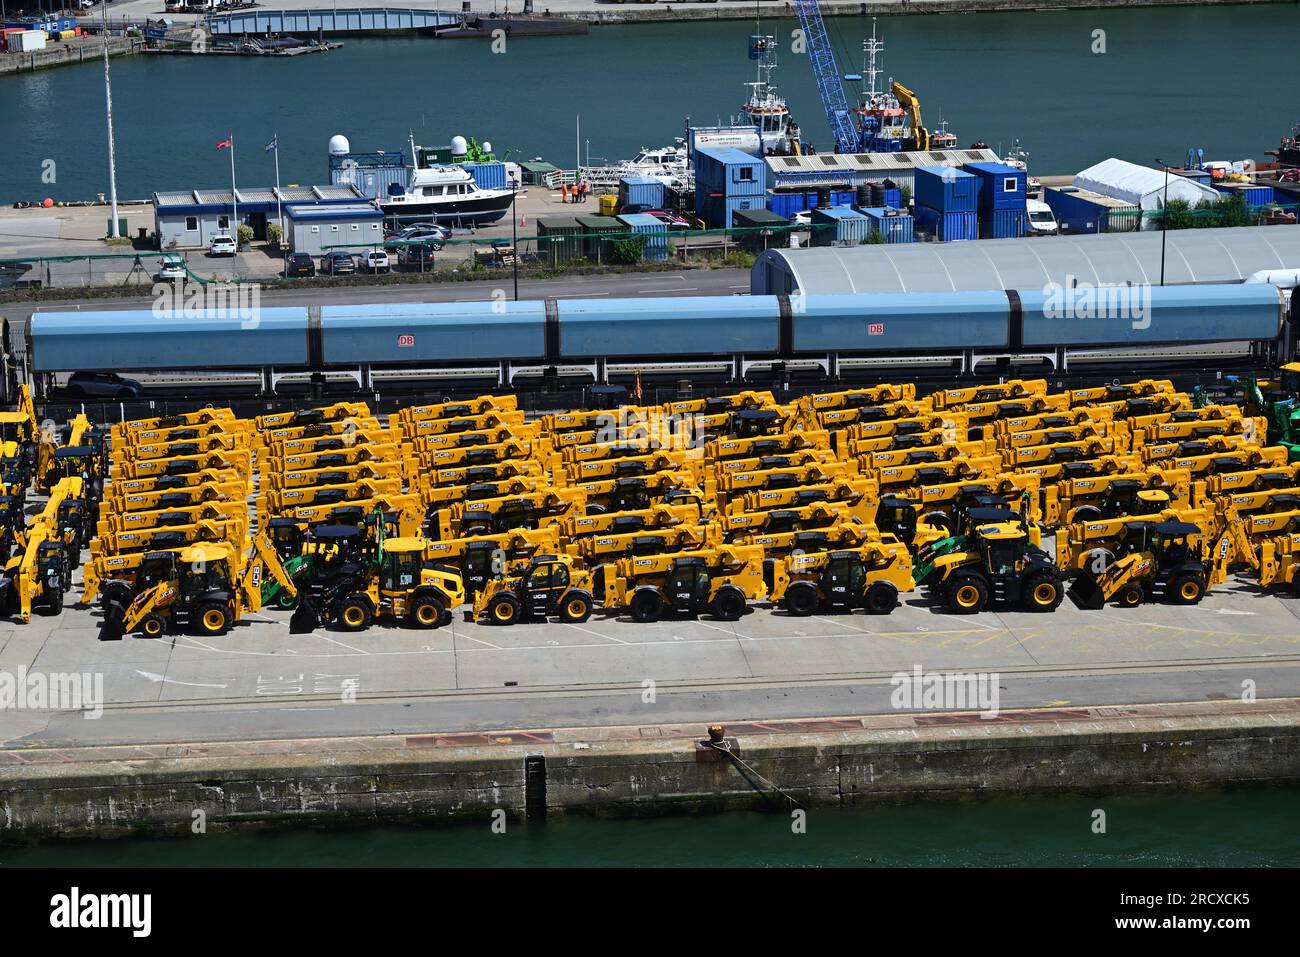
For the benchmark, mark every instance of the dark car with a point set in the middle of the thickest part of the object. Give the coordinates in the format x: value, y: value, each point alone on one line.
x: 631, y: 208
x: 417, y: 256
x: 338, y: 264
x: 299, y: 264
x: 671, y: 220
x: 103, y: 385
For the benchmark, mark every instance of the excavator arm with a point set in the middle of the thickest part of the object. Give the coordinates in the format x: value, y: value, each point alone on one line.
x: 912, y: 105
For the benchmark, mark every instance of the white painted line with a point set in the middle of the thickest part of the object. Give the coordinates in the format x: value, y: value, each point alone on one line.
x: 359, y: 651
x: 158, y: 679
x: 481, y: 642
x: 596, y: 633
x: 733, y: 633
x: 844, y: 624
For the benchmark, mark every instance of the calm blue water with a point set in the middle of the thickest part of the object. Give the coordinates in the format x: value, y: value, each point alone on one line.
x: 1254, y: 827
x: 1220, y: 78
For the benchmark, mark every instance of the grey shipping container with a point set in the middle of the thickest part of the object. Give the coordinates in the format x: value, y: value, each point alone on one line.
x: 559, y: 239
x: 839, y: 226
x: 593, y: 246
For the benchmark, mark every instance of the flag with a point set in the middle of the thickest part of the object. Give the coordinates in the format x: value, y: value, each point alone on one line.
x: 225, y: 144
x: 274, y: 145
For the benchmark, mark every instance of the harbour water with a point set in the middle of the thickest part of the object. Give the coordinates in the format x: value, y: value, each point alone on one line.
x: 1237, y: 828
x: 1167, y: 81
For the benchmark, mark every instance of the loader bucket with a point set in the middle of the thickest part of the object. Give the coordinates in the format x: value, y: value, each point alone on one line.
x: 305, y: 617
x: 1086, y: 592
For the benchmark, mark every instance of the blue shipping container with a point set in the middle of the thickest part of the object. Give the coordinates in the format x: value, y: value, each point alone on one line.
x: 1001, y: 186
x: 788, y: 204
x: 840, y: 226
x: 717, y: 210
x: 1003, y: 224
x: 946, y: 188
x: 947, y: 227
x: 488, y: 175
x: 730, y: 172
x: 1254, y: 195
x: 1076, y: 213
x: 656, y: 235
x: 640, y: 189
x: 844, y: 197
x: 895, y: 226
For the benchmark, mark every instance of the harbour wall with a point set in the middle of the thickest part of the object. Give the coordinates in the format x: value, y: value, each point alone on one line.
x: 87, y: 50
x: 632, y: 12
x: 116, y: 791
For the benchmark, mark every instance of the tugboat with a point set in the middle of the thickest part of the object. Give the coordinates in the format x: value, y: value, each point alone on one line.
x: 766, y: 110
x: 891, y: 120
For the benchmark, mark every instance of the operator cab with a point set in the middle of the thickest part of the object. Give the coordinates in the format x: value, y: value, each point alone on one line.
x: 687, y: 588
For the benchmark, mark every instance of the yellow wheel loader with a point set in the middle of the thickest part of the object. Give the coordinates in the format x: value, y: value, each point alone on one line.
x: 869, y: 577
x: 1153, y: 560
x: 550, y: 586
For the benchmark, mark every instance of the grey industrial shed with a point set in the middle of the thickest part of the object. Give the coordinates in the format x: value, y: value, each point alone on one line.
x: 1192, y: 256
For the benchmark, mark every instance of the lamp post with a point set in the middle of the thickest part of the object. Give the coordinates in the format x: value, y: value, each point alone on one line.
x: 1164, y: 221
x: 514, y: 233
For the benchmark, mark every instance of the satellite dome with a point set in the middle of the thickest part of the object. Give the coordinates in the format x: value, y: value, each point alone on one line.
x: 487, y: 147
x: 339, y: 145
x: 458, y: 146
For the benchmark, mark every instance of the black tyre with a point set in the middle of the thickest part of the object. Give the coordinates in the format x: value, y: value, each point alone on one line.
x: 966, y: 595
x: 1130, y: 596
x: 1186, y: 589
x: 1042, y: 593
x: 575, y: 608
x: 53, y: 601
x: 880, y: 599
x: 646, y: 606
x: 727, y: 605
x: 212, y: 618
x: 428, y: 612
x: 503, y: 610
x: 153, y: 626
x: 286, y: 601
x: 801, y: 599
x: 354, y: 613
x: 1085, y: 513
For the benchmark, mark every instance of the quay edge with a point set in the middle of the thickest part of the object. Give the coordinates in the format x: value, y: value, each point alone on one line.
x: 111, y: 791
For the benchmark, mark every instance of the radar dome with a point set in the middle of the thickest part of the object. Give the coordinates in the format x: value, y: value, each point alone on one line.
x: 458, y: 146
x: 339, y: 145
x: 487, y: 147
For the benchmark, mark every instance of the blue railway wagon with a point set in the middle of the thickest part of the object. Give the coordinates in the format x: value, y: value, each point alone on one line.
x: 432, y: 333
x: 140, y: 341
x: 1148, y: 315
x: 901, y: 321
x: 688, y: 325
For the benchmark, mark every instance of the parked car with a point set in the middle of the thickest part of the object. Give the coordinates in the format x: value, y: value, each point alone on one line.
x: 375, y: 261
x: 437, y: 236
x: 671, y: 220
x: 222, y: 246
x: 802, y: 218
x: 299, y: 264
x: 172, y: 267
x: 338, y: 264
x: 102, y: 385
x: 406, y: 232
x: 418, y: 256
x: 632, y: 208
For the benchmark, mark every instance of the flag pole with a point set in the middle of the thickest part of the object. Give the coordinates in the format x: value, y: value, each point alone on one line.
x: 279, y: 211
x: 234, y: 196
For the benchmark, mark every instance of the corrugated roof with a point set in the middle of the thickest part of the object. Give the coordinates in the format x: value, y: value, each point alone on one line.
x: 881, y: 163
x: 1193, y: 255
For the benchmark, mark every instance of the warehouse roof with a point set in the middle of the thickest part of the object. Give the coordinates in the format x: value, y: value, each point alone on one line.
x: 1192, y: 256
x: 881, y: 163
x: 177, y: 199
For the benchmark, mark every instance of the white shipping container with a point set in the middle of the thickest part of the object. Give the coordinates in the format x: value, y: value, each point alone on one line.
x: 27, y: 41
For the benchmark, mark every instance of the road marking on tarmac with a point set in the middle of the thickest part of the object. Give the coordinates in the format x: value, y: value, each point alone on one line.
x: 596, y: 633
x: 189, y: 684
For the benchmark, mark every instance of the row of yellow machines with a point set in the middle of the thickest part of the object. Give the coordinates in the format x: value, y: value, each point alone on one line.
x: 1003, y: 493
